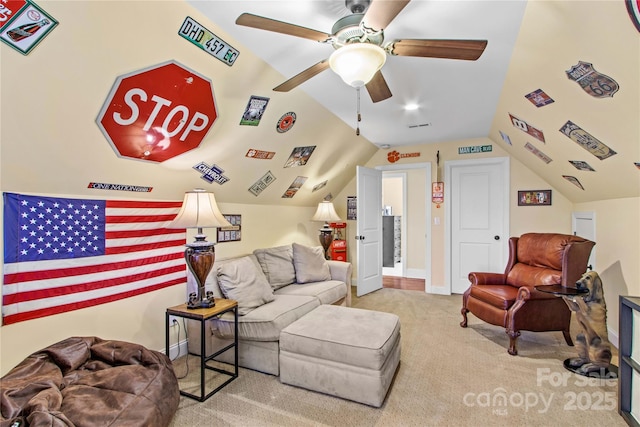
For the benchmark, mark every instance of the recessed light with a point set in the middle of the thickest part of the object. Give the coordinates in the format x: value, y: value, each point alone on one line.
x: 411, y: 107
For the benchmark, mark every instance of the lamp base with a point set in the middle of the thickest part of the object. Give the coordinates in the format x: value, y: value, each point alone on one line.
x: 325, y: 238
x: 194, y: 303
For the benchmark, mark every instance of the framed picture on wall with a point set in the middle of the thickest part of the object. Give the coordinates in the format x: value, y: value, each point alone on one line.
x: 534, y: 198
x: 233, y: 232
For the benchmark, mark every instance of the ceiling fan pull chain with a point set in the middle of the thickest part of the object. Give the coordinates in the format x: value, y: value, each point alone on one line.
x: 358, y: 118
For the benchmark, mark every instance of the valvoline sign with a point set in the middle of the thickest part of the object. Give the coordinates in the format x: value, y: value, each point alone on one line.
x: 158, y: 113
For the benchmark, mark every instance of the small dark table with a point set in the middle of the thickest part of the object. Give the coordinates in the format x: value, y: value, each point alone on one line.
x: 568, y: 294
x: 202, y: 315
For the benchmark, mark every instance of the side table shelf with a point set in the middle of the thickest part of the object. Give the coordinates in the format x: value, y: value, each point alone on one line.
x: 202, y: 315
x: 629, y: 354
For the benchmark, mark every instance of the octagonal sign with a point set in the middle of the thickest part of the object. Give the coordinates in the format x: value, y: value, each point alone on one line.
x: 158, y: 113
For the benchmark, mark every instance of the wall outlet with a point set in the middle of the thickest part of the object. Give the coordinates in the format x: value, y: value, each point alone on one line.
x: 173, y: 320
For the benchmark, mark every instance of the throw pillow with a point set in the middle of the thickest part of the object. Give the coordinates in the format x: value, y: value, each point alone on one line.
x: 310, y: 264
x: 241, y: 280
x: 277, y: 265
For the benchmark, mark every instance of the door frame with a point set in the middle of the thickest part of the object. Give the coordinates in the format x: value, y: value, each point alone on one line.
x: 428, y: 288
x: 504, y: 162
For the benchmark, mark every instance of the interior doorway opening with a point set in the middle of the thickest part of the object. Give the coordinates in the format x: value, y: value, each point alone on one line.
x: 394, y: 223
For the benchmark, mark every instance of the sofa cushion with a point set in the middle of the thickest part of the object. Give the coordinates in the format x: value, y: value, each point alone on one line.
x: 277, y: 265
x: 328, y: 292
x: 310, y: 264
x: 241, y: 280
x: 265, y: 322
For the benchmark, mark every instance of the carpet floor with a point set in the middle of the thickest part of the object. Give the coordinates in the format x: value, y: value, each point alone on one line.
x: 448, y: 376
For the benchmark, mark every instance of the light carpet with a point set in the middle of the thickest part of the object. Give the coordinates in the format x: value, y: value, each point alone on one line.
x: 448, y: 376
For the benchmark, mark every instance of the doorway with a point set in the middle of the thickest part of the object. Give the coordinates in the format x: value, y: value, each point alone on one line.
x: 394, y: 223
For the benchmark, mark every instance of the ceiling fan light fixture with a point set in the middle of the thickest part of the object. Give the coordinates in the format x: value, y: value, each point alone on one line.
x: 357, y: 63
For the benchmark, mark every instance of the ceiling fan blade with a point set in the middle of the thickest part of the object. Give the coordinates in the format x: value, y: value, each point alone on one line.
x: 381, y: 13
x: 302, y: 77
x: 262, y: 23
x: 469, y: 50
x: 378, y: 88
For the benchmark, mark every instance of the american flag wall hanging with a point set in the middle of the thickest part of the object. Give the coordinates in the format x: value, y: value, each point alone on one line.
x: 63, y: 254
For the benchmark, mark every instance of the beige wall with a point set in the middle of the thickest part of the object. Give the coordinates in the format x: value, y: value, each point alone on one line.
x: 392, y: 193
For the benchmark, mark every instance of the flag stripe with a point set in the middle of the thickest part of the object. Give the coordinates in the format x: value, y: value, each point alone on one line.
x: 63, y: 254
x: 88, y: 286
x: 34, y: 314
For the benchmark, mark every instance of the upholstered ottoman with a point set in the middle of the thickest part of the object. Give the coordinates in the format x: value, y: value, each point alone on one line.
x: 342, y: 351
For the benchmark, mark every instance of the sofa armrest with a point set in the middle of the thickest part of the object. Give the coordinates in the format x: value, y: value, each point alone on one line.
x: 342, y: 271
x: 487, y: 278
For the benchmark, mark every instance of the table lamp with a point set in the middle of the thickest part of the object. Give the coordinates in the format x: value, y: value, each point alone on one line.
x: 199, y: 210
x: 326, y: 212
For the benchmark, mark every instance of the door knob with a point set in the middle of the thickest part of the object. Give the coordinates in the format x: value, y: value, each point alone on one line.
x: 496, y: 237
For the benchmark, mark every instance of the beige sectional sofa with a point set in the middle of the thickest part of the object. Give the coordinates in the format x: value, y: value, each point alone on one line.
x: 274, y: 287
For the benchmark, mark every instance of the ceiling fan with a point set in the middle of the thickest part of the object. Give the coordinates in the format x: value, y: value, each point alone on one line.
x: 358, y: 42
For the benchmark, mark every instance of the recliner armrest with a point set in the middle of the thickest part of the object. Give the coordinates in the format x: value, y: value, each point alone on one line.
x: 342, y: 271
x: 477, y: 278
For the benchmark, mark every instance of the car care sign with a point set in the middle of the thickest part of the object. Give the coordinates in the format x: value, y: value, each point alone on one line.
x: 158, y: 113
x: 286, y: 122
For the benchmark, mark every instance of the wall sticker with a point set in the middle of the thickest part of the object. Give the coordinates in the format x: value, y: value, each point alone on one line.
x: 294, y: 187
x: 527, y: 128
x: 580, y: 165
x: 259, y: 186
x: 254, y: 111
x: 198, y: 35
x: 299, y: 156
x: 259, y: 154
x: 573, y: 180
x: 586, y: 140
x: 286, y: 122
x: 119, y: 187
x: 539, y: 98
x: 595, y: 84
x: 505, y: 137
x: 319, y: 186
x: 633, y: 7
x: 24, y: 24
x: 394, y: 156
x: 532, y: 149
x: 212, y: 173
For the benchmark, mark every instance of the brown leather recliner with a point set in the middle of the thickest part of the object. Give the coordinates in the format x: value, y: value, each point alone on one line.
x: 510, y: 300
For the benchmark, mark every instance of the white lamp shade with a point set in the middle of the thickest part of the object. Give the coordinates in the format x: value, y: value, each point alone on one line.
x: 357, y: 63
x: 199, y: 210
x: 325, y: 212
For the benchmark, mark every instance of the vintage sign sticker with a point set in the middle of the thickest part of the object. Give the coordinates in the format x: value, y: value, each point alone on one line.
x: 580, y: 165
x: 211, y: 174
x: 119, y: 187
x: 254, y: 111
x: 531, y: 148
x: 573, y: 180
x: 286, y: 122
x: 595, y: 84
x: 259, y: 186
x: 207, y: 41
x: 475, y: 149
x: 633, y: 7
x: 319, y: 186
x: 24, y: 24
x: 394, y: 156
x: 294, y: 187
x: 527, y: 128
x: 586, y: 140
x: 299, y: 156
x: 505, y: 137
x: 539, y: 98
x: 259, y: 154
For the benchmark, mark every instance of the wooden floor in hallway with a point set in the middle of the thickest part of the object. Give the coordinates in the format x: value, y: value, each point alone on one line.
x: 405, y: 283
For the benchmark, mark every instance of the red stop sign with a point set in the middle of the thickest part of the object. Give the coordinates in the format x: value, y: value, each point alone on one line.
x: 158, y: 113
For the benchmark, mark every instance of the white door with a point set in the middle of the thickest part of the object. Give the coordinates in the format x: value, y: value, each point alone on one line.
x: 479, y: 218
x: 584, y: 225
x: 369, y: 230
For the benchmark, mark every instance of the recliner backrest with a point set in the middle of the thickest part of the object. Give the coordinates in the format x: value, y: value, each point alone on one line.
x: 547, y: 259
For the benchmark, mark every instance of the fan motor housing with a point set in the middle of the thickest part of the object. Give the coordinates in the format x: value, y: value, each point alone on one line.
x: 347, y: 30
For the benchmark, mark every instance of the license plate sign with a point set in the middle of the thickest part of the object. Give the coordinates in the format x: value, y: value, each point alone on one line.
x: 207, y: 41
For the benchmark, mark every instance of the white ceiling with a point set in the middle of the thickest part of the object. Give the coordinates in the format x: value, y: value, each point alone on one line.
x: 457, y: 99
